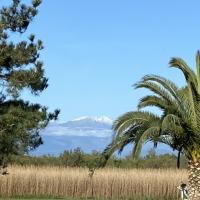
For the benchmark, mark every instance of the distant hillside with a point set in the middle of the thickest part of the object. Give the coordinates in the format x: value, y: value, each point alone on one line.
x: 88, y: 133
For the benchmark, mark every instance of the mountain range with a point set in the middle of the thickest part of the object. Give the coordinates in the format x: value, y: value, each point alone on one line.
x: 88, y: 133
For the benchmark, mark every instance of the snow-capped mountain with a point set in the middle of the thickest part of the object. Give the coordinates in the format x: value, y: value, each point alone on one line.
x: 88, y: 133
x: 89, y: 123
x: 102, y: 119
x: 83, y: 126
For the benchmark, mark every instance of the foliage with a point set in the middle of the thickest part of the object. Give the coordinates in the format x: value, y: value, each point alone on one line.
x: 179, y: 123
x: 20, y: 69
x: 77, y: 158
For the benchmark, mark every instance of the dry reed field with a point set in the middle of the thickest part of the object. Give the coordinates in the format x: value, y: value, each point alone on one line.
x: 105, y: 183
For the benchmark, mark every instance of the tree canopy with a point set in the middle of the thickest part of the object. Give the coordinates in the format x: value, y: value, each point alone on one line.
x: 178, y: 125
x: 20, y: 69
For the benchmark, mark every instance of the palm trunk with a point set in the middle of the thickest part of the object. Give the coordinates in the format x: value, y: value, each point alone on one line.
x: 194, y: 180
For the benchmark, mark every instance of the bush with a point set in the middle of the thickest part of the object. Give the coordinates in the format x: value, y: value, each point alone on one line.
x: 77, y: 158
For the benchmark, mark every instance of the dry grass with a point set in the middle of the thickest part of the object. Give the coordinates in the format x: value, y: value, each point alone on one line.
x: 105, y: 184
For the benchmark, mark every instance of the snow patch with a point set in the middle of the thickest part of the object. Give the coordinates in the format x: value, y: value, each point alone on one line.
x: 102, y: 119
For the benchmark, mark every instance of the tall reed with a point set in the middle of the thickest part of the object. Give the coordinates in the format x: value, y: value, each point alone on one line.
x: 105, y: 183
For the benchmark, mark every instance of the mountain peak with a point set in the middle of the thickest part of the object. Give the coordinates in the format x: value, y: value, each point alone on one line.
x: 101, y: 119
x: 82, y: 126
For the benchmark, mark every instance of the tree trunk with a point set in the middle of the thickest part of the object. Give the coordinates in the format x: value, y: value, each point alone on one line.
x: 194, y: 180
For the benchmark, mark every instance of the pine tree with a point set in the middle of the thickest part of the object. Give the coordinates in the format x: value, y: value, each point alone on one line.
x: 20, y: 69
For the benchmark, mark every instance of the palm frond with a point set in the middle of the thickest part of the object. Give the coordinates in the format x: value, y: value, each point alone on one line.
x: 190, y: 78
x: 198, y: 70
x: 143, y: 137
x: 118, y: 143
x: 139, y: 124
x: 130, y: 119
x: 165, y: 83
x: 155, y: 88
x: 189, y: 74
x: 153, y: 100
x: 129, y: 138
x: 188, y: 114
x: 108, y: 151
x: 169, y: 122
x: 160, y: 91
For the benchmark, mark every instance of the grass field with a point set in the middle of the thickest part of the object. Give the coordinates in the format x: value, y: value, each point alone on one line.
x: 74, y: 183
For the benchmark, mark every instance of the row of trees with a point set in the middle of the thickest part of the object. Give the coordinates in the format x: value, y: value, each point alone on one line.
x: 77, y: 158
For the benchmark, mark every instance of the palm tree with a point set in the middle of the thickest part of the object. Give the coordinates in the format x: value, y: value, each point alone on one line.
x: 178, y: 125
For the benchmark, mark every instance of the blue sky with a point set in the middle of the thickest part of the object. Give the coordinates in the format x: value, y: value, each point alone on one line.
x: 95, y: 50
